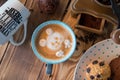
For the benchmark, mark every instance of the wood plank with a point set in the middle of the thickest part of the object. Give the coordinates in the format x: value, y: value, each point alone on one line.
x: 5, y: 62
x: 2, y: 50
x: 23, y: 1
x: 2, y: 2
x: 20, y: 65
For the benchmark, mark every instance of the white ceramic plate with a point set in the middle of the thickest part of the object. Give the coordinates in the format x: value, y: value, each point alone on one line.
x: 105, y: 50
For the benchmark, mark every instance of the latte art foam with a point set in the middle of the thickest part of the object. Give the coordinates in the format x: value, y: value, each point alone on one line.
x: 67, y: 43
x: 60, y: 53
x: 54, y: 41
x: 49, y: 31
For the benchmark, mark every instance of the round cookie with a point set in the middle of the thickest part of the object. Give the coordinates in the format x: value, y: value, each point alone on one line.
x: 115, y: 68
x: 98, y: 70
x: 48, y: 6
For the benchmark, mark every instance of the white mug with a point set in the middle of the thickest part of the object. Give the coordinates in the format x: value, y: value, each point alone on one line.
x: 13, y: 14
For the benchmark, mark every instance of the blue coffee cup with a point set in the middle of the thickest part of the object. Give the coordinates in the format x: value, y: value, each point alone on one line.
x: 50, y: 62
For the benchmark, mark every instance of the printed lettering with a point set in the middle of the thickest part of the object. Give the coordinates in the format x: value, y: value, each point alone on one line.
x: 15, y: 15
x: 9, y: 21
x: 2, y: 22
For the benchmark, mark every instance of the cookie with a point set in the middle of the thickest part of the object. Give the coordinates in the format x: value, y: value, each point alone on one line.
x: 115, y: 69
x: 48, y: 6
x: 98, y: 70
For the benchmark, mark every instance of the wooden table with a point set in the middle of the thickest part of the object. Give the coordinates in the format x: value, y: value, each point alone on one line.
x: 20, y: 63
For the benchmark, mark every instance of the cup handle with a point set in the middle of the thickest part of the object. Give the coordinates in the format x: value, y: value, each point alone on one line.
x: 49, y: 69
x: 24, y: 37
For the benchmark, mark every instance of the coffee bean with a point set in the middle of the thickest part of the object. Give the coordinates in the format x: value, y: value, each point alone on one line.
x: 78, y: 43
x: 109, y: 79
x: 77, y: 48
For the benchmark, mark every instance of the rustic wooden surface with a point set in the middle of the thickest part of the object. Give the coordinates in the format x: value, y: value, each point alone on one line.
x: 20, y: 63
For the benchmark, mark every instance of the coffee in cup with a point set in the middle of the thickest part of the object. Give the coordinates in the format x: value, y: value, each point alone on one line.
x: 53, y: 42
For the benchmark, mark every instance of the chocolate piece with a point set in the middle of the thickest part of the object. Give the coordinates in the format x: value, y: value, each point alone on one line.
x: 92, y: 77
x: 95, y: 62
x: 88, y: 70
x: 102, y: 63
x: 98, y: 76
x: 48, y: 6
